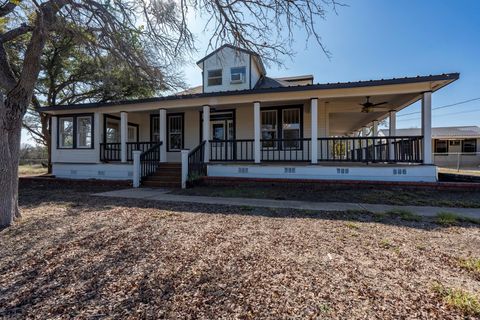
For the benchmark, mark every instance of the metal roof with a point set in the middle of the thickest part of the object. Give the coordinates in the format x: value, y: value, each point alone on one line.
x: 449, y: 77
x: 440, y: 132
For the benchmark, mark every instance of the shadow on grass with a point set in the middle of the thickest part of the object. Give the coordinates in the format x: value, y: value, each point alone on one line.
x: 111, y: 270
x: 79, y: 200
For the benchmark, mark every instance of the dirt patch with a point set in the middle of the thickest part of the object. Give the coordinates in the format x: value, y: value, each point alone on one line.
x: 77, y: 256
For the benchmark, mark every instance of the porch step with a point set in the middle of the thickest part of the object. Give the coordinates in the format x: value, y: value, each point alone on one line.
x: 167, y: 175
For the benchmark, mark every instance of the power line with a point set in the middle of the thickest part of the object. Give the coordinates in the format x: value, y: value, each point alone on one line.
x: 446, y: 114
x: 441, y: 107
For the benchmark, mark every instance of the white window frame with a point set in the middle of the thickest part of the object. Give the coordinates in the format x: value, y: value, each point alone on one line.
x: 88, y: 134
x: 61, y: 132
x: 209, y: 77
x: 242, y: 70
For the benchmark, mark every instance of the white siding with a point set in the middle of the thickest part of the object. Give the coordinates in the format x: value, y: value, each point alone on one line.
x: 373, y: 173
x: 99, y: 171
x: 226, y: 59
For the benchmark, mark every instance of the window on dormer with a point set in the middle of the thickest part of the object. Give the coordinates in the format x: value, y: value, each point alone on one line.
x: 215, y: 77
x: 237, y: 74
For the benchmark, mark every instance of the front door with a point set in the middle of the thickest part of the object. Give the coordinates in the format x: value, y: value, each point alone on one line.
x: 222, y: 131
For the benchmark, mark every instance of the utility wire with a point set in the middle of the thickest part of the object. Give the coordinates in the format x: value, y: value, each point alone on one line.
x: 446, y: 114
x: 441, y: 107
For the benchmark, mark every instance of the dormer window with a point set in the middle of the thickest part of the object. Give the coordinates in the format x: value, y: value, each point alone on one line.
x: 237, y: 74
x: 215, y: 77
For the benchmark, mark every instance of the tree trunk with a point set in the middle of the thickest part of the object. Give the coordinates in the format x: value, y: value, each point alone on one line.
x: 45, y: 123
x: 10, y: 132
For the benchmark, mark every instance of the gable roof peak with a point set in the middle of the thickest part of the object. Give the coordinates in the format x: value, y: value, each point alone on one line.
x: 256, y: 56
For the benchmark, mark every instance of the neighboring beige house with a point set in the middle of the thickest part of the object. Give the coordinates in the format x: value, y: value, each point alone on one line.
x: 451, y: 146
x: 241, y: 123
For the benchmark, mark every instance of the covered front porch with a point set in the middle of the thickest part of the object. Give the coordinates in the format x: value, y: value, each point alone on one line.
x: 319, y: 131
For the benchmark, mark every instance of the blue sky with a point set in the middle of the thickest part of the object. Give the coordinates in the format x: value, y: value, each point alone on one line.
x: 374, y: 39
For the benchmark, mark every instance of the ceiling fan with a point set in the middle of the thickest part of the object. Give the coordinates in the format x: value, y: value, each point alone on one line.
x: 370, y: 106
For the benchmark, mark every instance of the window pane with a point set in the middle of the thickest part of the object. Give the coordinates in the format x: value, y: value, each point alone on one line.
x: 132, y: 134
x: 238, y: 74
x: 291, y: 127
x: 269, y: 128
x: 66, y: 132
x: 175, y: 131
x: 214, y: 77
x: 155, y: 128
x: 291, y: 119
x: 291, y: 134
x: 113, y: 131
x: 84, y: 132
x: 469, y: 145
x: 441, y: 146
x: 175, y: 141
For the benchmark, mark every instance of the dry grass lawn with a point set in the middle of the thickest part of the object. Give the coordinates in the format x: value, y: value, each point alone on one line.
x: 31, y: 170
x: 77, y: 256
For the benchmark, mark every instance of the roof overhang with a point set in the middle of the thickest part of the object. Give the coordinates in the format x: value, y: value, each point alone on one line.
x: 412, y: 87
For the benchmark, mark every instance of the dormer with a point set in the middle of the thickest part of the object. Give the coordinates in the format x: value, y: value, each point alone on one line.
x: 230, y: 68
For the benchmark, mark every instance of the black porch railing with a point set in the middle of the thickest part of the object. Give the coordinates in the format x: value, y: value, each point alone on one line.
x: 196, y: 162
x: 371, y: 149
x: 110, y: 151
x: 149, y: 160
x: 232, y: 150
x: 291, y: 150
x: 141, y: 146
x: 113, y: 151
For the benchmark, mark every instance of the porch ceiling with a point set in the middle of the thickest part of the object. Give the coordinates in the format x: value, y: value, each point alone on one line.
x: 345, y: 114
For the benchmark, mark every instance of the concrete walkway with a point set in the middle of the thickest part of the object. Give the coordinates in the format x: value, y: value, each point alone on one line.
x: 163, y: 195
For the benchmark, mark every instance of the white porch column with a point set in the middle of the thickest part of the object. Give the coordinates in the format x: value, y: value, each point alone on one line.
x: 257, y: 132
x: 206, y: 133
x: 184, y: 155
x: 162, y: 134
x: 97, y: 134
x: 123, y: 135
x: 54, y: 138
x: 323, y: 128
x: 392, y: 128
x: 136, y: 168
x: 375, y: 134
x: 364, y: 143
x: 427, y: 127
x: 314, y: 134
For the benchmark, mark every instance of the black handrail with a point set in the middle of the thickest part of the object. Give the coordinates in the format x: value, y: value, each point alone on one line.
x: 150, y: 159
x: 290, y: 150
x: 110, y: 151
x: 196, y: 162
x: 113, y: 151
x: 232, y: 150
x: 371, y: 149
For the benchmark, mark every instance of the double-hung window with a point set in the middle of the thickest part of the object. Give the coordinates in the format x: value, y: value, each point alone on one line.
x: 291, y: 128
x: 269, y: 128
x: 65, y: 132
x: 84, y: 132
x: 75, y: 132
x: 175, y: 132
x: 281, y: 123
x: 214, y: 77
